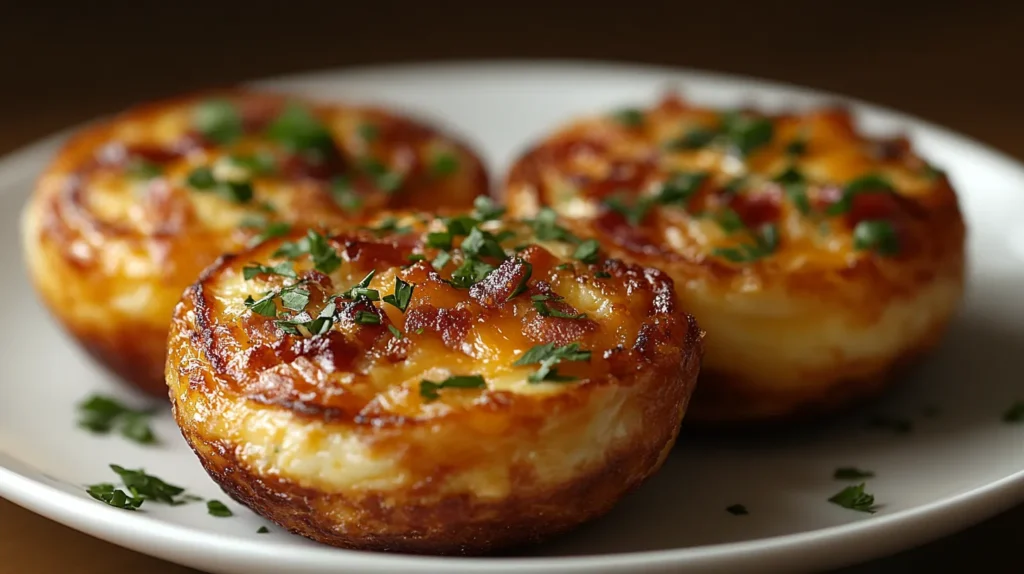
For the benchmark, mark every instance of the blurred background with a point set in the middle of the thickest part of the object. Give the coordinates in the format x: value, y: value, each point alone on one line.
x: 953, y: 63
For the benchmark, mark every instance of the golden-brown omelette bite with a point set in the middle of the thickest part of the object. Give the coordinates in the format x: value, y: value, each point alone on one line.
x: 816, y: 259
x: 132, y: 209
x: 431, y: 386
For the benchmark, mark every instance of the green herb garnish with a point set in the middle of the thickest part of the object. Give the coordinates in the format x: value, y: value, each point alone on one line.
x: 854, y: 498
x: 383, y: 178
x: 876, y: 235
x: 852, y: 473
x: 737, y: 510
x: 471, y: 272
x: 441, y: 260
x: 428, y: 389
x: 746, y: 133
x: 283, y: 269
x: 522, y: 285
x: 766, y: 242
x: 630, y: 117
x: 219, y: 121
x: 587, y: 251
x: 263, y: 530
x: 402, y: 295
x: 110, y: 494
x: 444, y: 164
x: 547, y: 356
x: 693, y: 139
x: 273, y: 229
x: 101, y: 414
x: 870, y: 183
x: 368, y: 132
x: 325, y: 258
x: 218, y: 509
x: 546, y: 227
x: 484, y: 209
x: 362, y: 289
x: 149, y: 487
x: 344, y: 194
x: 481, y: 244
x: 142, y: 169
x: 298, y: 130
x: 366, y: 318
x: 540, y: 303
x: 394, y: 331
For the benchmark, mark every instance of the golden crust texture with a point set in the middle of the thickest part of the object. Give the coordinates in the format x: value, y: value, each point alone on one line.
x: 818, y: 260
x: 132, y: 209
x: 442, y: 385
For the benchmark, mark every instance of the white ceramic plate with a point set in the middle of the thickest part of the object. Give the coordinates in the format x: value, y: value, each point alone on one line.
x: 955, y: 468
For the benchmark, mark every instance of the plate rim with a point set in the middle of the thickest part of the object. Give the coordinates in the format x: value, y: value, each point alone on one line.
x: 901, y: 530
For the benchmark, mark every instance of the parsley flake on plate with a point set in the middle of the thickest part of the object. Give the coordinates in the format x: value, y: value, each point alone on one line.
x: 854, y: 498
x: 428, y: 389
x: 102, y: 414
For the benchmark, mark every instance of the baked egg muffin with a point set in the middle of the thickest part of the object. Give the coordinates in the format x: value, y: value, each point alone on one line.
x: 819, y: 261
x: 133, y: 208
x: 424, y: 384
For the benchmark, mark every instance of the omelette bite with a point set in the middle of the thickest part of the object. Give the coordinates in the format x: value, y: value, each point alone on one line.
x: 133, y: 208
x: 819, y: 261
x: 437, y: 385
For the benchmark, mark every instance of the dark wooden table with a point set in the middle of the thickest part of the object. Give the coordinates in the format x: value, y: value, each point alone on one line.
x: 957, y: 64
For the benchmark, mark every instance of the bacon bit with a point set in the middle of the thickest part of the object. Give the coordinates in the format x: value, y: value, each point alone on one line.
x: 760, y: 208
x: 873, y: 206
x: 376, y: 254
x: 501, y: 283
x: 893, y: 149
x: 557, y: 330
x: 451, y: 324
x: 319, y: 278
x: 672, y: 102
x: 614, y: 226
x: 622, y: 175
x: 332, y: 351
x: 313, y: 167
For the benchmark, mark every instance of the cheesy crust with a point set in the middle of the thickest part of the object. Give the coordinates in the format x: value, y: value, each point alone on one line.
x: 818, y: 260
x: 132, y: 209
x: 431, y: 385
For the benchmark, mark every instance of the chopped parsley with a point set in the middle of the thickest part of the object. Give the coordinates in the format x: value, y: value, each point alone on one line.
x: 547, y: 356
x: 798, y: 146
x: 766, y: 242
x: 587, y: 251
x: 876, y: 235
x: 255, y: 164
x: 298, y: 130
x: 630, y: 117
x: 394, y: 331
x: 149, y: 487
x: 142, y: 169
x: 325, y: 258
x: 294, y: 298
x: 283, y: 269
x: 484, y: 209
x: 389, y: 225
x: 870, y: 183
x: 852, y: 473
x: 444, y: 164
x: 471, y: 272
x: 746, y: 133
x: 540, y: 303
x: 402, y: 295
x: 202, y: 179
x: 318, y: 326
x: 634, y: 213
x: 680, y: 187
x: 441, y: 260
x: 270, y: 231
x: 263, y: 530
x: 366, y: 318
x: 344, y: 195
x: 482, y: 243
x: 854, y: 498
x: 264, y: 306
x: 362, y: 289
x: 729, y: 221
x: 737, y: 510
x: 102, y: 414
x: 428, y: 389
x: 106, y: 492
x: 603, y: 275
x: 1014, y: 414
x: 218, y: 509
x: 219, y: 121
x: 696, y: 138
x: 383, y: 178
x: 368, y: 132
x: 546, y: 227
